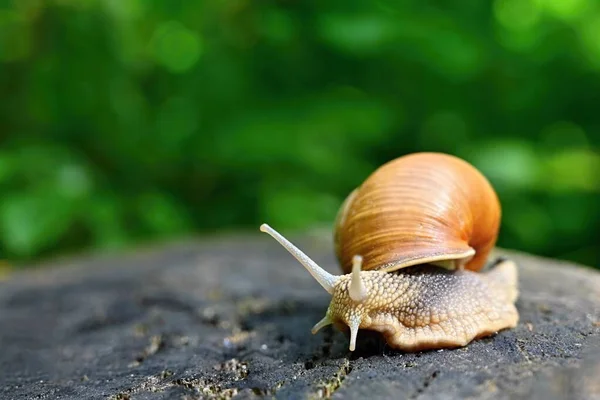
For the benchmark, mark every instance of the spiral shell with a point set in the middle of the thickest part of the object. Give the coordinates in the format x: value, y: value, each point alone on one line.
x: 419, y: 208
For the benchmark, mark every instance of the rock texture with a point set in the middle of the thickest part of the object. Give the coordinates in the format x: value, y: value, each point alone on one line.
x: 231, y: 318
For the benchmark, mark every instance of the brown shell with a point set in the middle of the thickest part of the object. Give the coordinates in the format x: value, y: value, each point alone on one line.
x: 416, y: 209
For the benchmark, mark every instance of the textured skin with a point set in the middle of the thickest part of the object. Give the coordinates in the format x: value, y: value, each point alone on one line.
x: 417, y: 209
x: 427, y: 307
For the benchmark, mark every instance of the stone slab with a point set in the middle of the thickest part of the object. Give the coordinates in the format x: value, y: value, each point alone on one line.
x: 230, y: 317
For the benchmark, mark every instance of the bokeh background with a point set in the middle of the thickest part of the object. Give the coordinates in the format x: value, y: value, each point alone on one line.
x: 129, y: 121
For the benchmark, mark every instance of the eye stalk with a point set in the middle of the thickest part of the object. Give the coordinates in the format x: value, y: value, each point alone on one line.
x: 357, y: 289
x: 324, y: 278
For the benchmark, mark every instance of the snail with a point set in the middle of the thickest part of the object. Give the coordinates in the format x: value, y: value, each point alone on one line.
x: 413, y: 242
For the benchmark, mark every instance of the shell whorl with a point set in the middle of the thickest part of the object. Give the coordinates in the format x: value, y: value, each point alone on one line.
x: 419, y: 208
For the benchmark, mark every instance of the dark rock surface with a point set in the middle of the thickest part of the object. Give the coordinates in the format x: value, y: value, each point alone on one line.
x: 231, y: 318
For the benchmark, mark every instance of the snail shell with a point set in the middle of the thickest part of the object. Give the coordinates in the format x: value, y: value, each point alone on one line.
x: 420, y: 208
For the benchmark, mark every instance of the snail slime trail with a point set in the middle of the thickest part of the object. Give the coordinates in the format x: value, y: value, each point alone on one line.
x: 412, y: 242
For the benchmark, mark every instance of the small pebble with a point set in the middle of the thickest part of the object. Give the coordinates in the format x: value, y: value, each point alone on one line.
x: 529, y: 326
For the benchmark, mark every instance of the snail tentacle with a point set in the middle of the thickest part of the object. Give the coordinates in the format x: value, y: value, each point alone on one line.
x: 321, y: 324
x: 353, y: 324
x: 324, y: 278
x: 357, y: 289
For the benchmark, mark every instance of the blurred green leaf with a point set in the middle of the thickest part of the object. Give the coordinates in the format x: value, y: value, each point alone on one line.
x: 530, y: 224
x: 297, y: 207
x: 105, y: 217
x: 7, y: 167
x: 568, y: 10
x: 15, y: 36
x: 589, y: 31
x: 564, y: 135
x: 31, y: 221
x: 358, y: 34
x: 176, y: 47
x: 162, y: 214
x: 518, y: 15
x: 278, y: 26
x: 510, y: 164
x: 573, y: 170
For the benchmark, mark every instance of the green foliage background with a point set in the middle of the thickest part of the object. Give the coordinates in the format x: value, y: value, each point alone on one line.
x: 131, y: 120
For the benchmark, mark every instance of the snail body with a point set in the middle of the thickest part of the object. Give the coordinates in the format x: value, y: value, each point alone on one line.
x: 412, y: 242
